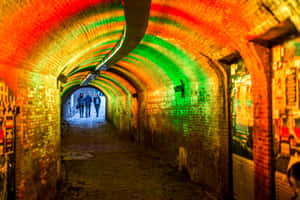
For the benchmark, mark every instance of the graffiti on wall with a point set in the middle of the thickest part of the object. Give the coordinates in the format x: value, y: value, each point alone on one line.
x: 7, y: 110
x: 286, y: 117
x: 242, y: 110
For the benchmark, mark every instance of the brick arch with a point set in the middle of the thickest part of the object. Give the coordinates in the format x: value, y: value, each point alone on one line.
x: 73, y: 89
x: 257, y: 60
x: 216, y: 27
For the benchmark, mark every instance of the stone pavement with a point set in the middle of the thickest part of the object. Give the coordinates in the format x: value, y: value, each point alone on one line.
x: 97, y: 165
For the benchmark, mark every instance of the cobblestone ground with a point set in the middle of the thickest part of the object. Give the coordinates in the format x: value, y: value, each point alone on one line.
x: 99, y: 166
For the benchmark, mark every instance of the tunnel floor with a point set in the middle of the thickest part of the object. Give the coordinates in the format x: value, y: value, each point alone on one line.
x: 98, y: 165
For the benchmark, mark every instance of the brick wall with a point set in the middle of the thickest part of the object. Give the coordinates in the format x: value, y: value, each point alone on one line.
x: 196, y: 124
x: 38, y: 135
x: 122, y: 113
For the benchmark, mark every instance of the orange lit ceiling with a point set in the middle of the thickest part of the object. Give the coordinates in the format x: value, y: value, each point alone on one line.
x: 71, y: 37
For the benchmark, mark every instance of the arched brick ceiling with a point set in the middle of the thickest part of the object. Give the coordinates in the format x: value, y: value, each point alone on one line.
x: 71, y: 36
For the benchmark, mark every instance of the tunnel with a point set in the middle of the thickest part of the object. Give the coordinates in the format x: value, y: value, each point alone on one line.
x: 200, y: 99
x: 70, y: 110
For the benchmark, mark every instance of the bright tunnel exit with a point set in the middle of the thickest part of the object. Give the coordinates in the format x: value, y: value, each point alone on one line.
x: 84, y: 104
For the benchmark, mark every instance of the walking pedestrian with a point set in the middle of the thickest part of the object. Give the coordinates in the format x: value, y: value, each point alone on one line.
x: 97, y: 103
x: 81, y: 102
x: 88, y: 101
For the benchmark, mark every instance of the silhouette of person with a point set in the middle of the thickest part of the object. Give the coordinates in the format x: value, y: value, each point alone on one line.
x: 88, y: 101
x: 97, y: 102
x: 81, y: 102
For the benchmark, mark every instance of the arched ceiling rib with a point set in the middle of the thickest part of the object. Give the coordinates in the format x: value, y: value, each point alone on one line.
x: 73, y: 37
x: 85, y: 37
x: 39, y: 18
x: 121, y: 86
x: 135, y: 81
x: 137, y: 14
x: 180, y: 31
x: 119, y: 81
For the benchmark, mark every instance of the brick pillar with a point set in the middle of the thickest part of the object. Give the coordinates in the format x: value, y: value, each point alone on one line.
x: 257, y: 59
